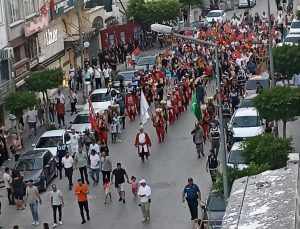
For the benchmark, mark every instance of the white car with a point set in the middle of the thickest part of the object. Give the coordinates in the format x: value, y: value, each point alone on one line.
x: 295, y: 27
x: 81, y: 122
x: 244, y: 3
x: 235, y: 157
x: 216, y: 15
x: 245, y: 123
x: 247, y: 101
x: 102, y: 99
x: 291, y: 39
x: 142, y: 62
x: 49, y: 140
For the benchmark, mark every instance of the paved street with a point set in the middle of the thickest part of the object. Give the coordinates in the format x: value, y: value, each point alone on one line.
x: 167, y: 170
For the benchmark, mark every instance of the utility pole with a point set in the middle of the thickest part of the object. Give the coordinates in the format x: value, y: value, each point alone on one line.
x: 80, y: 33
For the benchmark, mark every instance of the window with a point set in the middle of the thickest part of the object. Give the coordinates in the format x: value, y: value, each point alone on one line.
x: 17, y: 53
x: 15, y: 10
x: 1, y: 12
x: 4, y: 71
x: 29, y: 7
x: 32, y: 47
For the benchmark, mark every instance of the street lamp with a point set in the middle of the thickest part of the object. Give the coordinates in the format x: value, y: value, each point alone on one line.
x: 170, y: 31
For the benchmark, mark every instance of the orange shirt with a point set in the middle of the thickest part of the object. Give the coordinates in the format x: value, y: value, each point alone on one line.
x: 81, y: 192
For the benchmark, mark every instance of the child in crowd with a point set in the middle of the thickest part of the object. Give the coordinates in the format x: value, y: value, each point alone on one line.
x: 107, y: 190
x: 134, y: 186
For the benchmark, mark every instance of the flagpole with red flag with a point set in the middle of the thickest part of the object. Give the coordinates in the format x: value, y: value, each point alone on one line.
x: 92, y: 115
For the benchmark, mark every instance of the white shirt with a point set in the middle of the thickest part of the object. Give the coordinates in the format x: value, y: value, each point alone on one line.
x: 98, y: 73
x: 7, y: 180
x: 142, y: 140
x: 67, y: 162
x: 74, y: 139
x: 61, y: 98
x: 56, y: 197
x: 106, y: 73
x: 144, y: 191
x: 95, y: 161
x: 32, y: 116
x: 95, y: 147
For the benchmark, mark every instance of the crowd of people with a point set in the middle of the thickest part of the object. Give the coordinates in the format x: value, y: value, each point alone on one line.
x: 185, y: 70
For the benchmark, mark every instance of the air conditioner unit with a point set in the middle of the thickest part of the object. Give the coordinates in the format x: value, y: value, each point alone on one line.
x: 8, y: 53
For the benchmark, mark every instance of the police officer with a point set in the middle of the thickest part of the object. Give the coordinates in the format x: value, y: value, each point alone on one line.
x: 241, y: 83
x: 234, y: 97
x: 61, y: 152
x: 161, y: 40
x: 214, y: 137
x: 212, y: 164
x: 191, y: 194
x: 149, y: 39
x: 226, y: 112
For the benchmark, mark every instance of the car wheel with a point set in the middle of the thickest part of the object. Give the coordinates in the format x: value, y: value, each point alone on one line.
x: 44, y: 187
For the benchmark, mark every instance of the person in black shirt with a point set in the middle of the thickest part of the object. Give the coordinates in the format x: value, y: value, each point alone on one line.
x: 119, y: 173
x: 61, y: 152
x: 212, y: 165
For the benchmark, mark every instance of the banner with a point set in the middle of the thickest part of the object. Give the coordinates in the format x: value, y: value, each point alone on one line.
x: 144, y: 108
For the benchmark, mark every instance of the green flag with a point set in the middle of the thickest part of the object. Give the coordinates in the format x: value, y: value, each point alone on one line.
x: 196, y: 108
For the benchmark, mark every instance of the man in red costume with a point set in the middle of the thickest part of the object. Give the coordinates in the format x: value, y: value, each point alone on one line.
x: 159, y: 124
x: 143, y: 144
x: 131, y: 106
x: 102, y: 129
x: 174, y: 103
x: 179, y: 97
x: 170, y: 110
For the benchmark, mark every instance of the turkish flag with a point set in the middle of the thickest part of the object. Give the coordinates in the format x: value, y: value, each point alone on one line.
x: 240, y: 37
x: 92, y: 116
x: 250, y: 36
x: 52, y: 4
x: 137, y: 51
x: 236, y: 54
x: 203, y: 34
x: 130, y: 61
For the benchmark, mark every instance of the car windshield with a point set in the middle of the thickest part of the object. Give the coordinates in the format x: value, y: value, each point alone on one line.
x: 146, y: 60
x: 292, y: 39
x: 245, y: 121
x: 46, y: 142
x: 236, y: 157
x: 216, y: 203
x: 197, y: 25
x: 295, y: 25
x: 100, y: 97
x: 214, y: 14
x: 29, y: 164
x: 127, y: 76
x: 246, y: 103
x: 252, y: 84
x: 82, y: 119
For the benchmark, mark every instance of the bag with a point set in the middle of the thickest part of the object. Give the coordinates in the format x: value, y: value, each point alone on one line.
x: 149, y: 201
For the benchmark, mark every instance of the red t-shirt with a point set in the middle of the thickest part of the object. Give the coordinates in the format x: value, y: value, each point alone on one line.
x: 60, y: 108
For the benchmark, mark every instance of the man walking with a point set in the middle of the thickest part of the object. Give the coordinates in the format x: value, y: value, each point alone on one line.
x: 143, y: 144
x: 94, y: 166
x: 88, y: 138
x: 82, y: 191
x: 144, y: 193
x: 7, y: 183
x: 74, y: 138
x: 119, y: 173
x: 68, y: 164
x: 106, y: 166
x: 200, y: 93
x: 61, y: 152
x: 214, y: 137
x: 32, y: 119
x: 60, y: 111
x: 192, y: 193
x: 57, y: 203
x: 81, y: 162
x: 212, y: 164
x: 32, y: 197
x: 198, y: 135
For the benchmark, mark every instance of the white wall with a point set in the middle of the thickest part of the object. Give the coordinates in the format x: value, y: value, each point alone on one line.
x: 3, y: 31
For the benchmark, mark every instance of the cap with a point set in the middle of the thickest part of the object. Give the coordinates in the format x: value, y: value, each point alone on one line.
x: 141, y: 127
x: 142, y: 181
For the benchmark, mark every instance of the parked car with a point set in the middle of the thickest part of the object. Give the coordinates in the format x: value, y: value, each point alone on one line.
x: 214, y: 210
x: 245, y: 123
x: 199, y: 25
x: 290, y: 39
x: 244, y: 3
x: 81, y: 122
x: 143, y: 61
x: 49, y: 140
x: 216, y: 15
x: 235, y: 157
x: 295, y: 27
x: 251, y: 84
x: 126, y: 76
x: 39, y: 165
x: 102, y: 98
x: 247, y: 101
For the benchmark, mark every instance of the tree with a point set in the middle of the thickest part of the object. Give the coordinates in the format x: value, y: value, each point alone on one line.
x: 286, y: 60
x: 147, y: 13
x: 267, y: 150
x: 16, y: 102
x: 280, y: 103
x: 44, y: 80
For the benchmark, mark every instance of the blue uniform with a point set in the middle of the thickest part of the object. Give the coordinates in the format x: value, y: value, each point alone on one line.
x: 191, y: 197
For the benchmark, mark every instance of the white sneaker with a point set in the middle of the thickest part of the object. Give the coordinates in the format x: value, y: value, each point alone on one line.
x: 54, y: 225
x: 60, y: 222
x: 33, y: 223
x: 37, y: 223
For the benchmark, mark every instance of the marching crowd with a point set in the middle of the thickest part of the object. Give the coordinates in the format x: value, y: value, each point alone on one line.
x: 179, y: 75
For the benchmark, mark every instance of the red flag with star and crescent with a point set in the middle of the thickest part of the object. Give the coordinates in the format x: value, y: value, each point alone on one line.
x: 93, y: 120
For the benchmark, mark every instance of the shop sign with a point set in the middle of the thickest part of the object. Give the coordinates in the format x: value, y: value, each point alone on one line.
x: 63, y: 6
x: 4, y: 89
x: 50, y: 36
x: 21, y: 70
x: 37, y: 23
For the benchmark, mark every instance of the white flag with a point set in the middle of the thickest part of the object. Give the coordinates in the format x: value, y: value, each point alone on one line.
x: 144, y: 108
